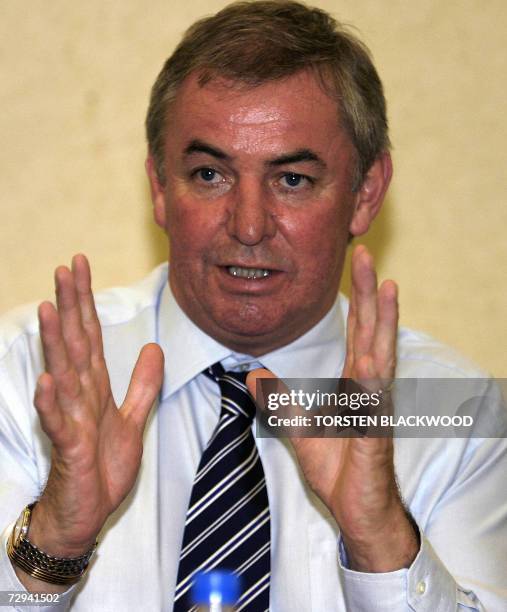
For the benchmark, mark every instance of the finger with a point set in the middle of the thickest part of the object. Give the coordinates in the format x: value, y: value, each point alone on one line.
x: 384, y: 345
x: 90, y: 320
x: 76, y: 341
x: 364, y: 281
x: 47, y: 408
x: 144, y: 385
x: 351, y: 324
x: 55, y: 353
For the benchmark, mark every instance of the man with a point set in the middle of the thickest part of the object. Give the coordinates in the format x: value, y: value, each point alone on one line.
x: 268, y: 150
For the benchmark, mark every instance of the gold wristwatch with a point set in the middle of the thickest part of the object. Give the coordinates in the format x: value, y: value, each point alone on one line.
x: 36, y: 563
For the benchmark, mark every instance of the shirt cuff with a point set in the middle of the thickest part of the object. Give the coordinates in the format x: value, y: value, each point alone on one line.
x: 10, y: 582
x: 425, y: 586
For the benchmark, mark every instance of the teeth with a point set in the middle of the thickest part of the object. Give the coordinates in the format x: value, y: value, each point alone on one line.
x: 252, y: 273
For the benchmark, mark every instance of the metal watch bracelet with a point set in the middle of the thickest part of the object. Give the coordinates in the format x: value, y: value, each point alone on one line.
x: 38, y: 564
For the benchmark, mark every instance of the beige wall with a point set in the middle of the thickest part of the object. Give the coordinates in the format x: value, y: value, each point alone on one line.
x: 75, y: 82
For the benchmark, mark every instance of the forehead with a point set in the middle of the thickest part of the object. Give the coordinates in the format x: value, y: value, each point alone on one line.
x: 293, y: 112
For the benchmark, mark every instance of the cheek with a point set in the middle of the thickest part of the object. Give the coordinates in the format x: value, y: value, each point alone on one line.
x: 320, y: 239
x: 190, y: 227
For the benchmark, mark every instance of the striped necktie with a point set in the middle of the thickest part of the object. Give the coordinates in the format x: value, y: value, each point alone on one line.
x: 228, y: 524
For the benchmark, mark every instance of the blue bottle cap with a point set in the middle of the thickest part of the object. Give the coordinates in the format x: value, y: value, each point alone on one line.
x: 216, y: 586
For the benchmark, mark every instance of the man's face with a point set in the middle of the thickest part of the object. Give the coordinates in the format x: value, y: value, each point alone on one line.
x: 257, y: 205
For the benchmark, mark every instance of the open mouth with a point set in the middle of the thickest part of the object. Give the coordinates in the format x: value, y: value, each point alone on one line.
x: 248, y: 273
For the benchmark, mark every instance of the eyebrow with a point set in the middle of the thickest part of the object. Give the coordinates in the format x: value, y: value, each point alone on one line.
x: 198, y: 146
x: 300, y: 155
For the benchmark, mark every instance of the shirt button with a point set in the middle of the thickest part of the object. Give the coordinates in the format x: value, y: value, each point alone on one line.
x: 421, y: 587
x: 244, y: 367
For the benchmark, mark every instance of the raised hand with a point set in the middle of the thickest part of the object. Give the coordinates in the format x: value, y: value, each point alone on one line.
x: 355, y: 477
x: 97, y: 447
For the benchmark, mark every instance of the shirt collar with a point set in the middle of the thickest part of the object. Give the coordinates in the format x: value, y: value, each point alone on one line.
x: 319, y: 353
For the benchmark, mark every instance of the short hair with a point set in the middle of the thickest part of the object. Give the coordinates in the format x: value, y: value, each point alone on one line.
x: 254, y: 42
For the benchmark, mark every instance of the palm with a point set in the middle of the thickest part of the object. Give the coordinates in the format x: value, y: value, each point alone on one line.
x: 96, y: 447
x: 350, y: 474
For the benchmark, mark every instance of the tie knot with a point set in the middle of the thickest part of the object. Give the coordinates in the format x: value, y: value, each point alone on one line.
x: 235, y: 395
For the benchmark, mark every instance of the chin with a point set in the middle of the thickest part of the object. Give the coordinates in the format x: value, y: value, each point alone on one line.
x: 248, y: 320
x: 251, y: 330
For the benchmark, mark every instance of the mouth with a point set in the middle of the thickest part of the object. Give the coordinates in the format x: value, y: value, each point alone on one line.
x: 250, y: 280
x: 248, y: 273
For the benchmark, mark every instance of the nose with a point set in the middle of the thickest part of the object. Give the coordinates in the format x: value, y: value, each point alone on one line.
x: 250, y: 218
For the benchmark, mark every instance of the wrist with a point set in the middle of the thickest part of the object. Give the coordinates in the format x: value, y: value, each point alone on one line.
x: 54, y: 538
x: 30, y: 560
x: 390, y: 548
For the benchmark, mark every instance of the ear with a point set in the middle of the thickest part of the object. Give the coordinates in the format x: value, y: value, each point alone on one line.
x: 371, y: 194
x: 157, y: 192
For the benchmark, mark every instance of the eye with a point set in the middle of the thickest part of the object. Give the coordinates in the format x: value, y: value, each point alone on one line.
x: 209, y: 175
x: 293, y: 180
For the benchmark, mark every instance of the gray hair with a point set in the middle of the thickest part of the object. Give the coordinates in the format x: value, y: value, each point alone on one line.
x: 259, y: 41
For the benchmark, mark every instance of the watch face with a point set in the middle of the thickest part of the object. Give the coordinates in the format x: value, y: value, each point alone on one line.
x: 17, y: 529
x: 21, y: 526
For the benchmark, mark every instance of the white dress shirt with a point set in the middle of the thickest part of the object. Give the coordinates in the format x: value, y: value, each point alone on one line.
x: 455, y: 488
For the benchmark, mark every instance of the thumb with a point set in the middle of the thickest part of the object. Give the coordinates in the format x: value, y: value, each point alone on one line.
x: 144, y: 384
x: 276, y: 388
x: 262, y: 394
x: 253, y: 387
